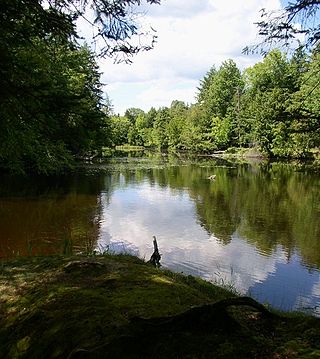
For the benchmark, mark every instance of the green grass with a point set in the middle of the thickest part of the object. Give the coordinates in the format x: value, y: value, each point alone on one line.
x: 74, y: 307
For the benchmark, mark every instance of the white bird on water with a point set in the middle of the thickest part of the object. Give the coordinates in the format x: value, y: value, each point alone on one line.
x: 212, y: 177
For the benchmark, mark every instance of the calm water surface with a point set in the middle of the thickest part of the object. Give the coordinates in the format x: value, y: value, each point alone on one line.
x: 255, y: 227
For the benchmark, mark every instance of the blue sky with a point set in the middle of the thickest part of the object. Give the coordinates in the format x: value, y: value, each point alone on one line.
x: 192, y: 35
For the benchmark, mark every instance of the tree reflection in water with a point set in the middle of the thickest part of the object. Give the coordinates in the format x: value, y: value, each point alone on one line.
x: 255, y: 226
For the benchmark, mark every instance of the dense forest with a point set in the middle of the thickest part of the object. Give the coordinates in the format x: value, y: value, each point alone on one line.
x: 273, y: 106
x: 53, y: 110
x: 51, y: 98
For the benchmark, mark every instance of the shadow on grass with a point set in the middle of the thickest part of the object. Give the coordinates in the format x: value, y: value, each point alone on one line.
x: 92, y: 307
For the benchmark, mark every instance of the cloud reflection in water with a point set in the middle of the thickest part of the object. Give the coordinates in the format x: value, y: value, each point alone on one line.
x: 137, y: 212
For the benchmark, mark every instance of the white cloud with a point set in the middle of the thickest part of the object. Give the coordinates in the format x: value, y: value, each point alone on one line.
x: 158, y: 93
x: 176, y: 9
x: 193, y: 35
x: 316, y: 289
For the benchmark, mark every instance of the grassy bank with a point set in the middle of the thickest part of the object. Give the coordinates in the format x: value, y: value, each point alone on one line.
x: 92, y: 307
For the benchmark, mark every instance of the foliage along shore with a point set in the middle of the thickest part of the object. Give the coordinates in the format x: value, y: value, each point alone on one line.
x: 93, y: 307
x: 272, y: 106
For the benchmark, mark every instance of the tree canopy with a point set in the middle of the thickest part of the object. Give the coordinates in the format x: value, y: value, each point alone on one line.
x: 51, y: 103
x: 273, y: 105
x: 115, y: 22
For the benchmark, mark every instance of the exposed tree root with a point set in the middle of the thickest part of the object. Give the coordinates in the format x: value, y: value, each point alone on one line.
x: 197, y: 330
x: 205, y: 316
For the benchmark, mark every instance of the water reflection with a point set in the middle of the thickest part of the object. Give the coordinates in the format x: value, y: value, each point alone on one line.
x: 46, y: 216
x: 132, y: 218
x: 251, y: 227
x: 256, y: 226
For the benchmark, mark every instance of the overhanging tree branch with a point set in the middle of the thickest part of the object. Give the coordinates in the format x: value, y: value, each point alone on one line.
x: 297, y: 25
x: 117, y: 25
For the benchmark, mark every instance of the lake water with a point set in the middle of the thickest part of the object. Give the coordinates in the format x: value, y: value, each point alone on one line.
x: 255, y: 227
